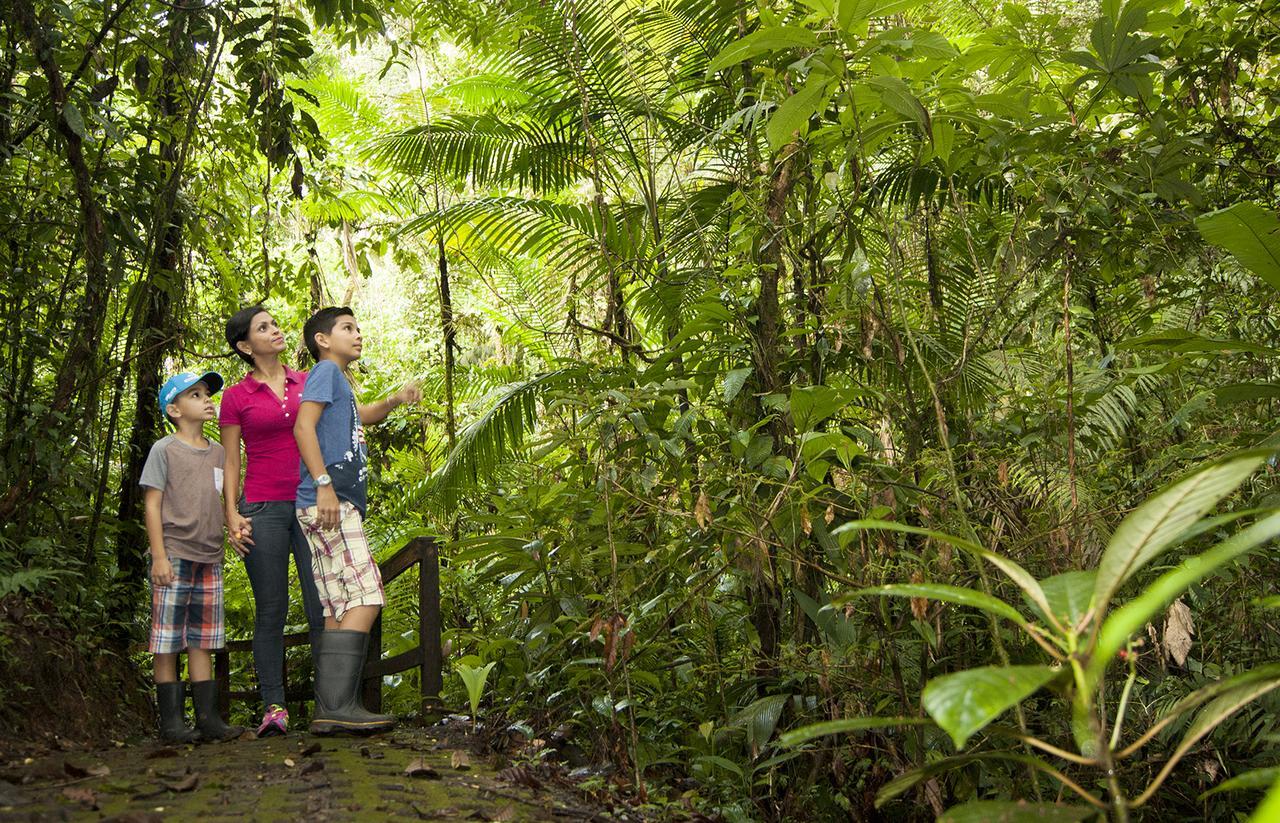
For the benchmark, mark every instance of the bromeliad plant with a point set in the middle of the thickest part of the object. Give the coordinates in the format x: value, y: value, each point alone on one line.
x: 1084, y: 632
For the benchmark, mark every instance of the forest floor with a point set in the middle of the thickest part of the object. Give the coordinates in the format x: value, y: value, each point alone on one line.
x: 409, y: 774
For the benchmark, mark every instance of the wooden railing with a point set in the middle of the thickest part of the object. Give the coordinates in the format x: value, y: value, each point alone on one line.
x: 427, y: 655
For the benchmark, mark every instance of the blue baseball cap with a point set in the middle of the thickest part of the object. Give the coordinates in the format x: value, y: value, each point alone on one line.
x: 182, y: 381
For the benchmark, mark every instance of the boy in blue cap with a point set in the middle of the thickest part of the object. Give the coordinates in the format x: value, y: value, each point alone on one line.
x: 182, y: 479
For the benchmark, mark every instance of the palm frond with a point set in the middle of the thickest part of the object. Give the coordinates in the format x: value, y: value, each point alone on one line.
x: 497, y: 434
x: 485, y: 150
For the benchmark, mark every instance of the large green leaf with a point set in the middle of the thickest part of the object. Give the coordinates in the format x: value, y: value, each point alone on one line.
x: 1206, y: 721
x: 1070, y: 595
x: 1163, y: 518
x: 1029, y: 585
x: 762, y: 41
x: 760, y: 719
x: 852, y: 724
x: 810, y: 405
x: 948, y: 594
x: 1249, y: 232
x: 1253, y: 779
x: 1133, y: 615
x: 792, y: 116
x: 1014, y: 811
x: 896, y: 95
x: 1268, y: 810
x: 909, y: 779
x: 1199, y: 697
x: 964, y: 702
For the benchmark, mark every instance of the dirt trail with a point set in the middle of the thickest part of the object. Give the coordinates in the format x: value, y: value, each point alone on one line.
x: 406, y: 775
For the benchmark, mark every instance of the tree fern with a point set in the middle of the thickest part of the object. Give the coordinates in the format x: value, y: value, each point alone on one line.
x: 497, y: 434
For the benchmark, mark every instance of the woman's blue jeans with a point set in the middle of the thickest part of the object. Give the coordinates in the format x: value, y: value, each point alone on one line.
x: 276, y: 535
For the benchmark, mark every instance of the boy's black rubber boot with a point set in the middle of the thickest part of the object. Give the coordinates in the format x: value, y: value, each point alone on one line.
x: 209, y: 725
x: 339, y: 660
x: 171, y: 699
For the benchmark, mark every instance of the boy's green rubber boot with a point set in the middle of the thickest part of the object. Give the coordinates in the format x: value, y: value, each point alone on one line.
x: 171, y: 700
x: 339, y: 661
x: 209, y: 723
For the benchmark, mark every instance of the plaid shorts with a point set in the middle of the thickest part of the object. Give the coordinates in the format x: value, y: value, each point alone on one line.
x: 344, y: 568
x: 187, y: 613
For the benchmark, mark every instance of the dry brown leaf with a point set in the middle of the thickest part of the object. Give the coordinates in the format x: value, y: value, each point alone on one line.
x: 81, y: 795
x: 460, y: 761
x: 702, y: 510
x: 419, y: 767
x: 186, y: 784
x: 1178, y: 629
x: 830, y: 516
x: 288, y: 761
x: 806, y: 525
x: 919, y: 605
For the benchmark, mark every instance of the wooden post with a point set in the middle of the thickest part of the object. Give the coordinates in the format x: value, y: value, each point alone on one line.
x: 430, y: 680
x: 222, y: 674
x: 372, y: 692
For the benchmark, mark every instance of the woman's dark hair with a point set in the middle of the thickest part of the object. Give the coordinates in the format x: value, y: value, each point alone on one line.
x: 238, y: 330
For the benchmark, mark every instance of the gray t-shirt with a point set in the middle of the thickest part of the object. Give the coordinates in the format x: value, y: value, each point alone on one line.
x: 191, y: 506
x: 341, y: 438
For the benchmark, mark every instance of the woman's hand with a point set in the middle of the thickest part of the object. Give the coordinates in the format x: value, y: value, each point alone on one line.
x: 328, y: 513
x: 239, y: 532
x: 161, y: 571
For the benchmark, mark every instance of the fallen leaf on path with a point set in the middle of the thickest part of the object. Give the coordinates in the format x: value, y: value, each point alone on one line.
x: 100, y: 770
x: 311, y: 766
x: 81, y: 795
x: 73, y: 770
x: 419, y: 768
x: 135, y: 817
x: 315, y: 748
x: 186, y: 784
x: 460, y: 761
x: 288, y: 761
x: 154, y: 791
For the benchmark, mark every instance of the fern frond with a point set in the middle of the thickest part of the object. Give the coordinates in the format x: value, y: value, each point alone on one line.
x: 493, y: 437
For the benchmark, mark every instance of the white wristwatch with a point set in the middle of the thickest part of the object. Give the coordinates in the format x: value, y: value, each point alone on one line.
x: 324, y: 480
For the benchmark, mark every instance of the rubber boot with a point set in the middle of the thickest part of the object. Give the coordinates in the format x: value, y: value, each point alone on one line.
x: 339, y: 662
x: 171, y: 699
x: 209, y: 725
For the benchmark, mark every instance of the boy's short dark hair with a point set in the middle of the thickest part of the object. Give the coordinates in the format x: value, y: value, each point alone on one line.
x: 238, y: 330
x: 322, y: 322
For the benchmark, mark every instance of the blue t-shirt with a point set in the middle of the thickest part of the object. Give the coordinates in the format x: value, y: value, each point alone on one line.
x: 341, y: 438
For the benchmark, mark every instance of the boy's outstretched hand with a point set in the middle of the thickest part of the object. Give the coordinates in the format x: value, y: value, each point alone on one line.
x: 409, y: 393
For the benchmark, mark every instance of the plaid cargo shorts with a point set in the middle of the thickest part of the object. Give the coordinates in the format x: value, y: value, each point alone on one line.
x: 344, y: 568
x: 188, y: 613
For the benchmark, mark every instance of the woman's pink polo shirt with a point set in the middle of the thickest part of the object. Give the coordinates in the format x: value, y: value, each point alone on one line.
x: 266, y: 428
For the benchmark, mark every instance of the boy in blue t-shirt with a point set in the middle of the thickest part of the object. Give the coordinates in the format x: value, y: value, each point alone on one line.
x: 330, y: 506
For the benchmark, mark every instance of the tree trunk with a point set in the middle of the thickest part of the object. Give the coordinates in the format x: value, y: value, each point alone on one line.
x: 449, y: 334
x: 162, y: 291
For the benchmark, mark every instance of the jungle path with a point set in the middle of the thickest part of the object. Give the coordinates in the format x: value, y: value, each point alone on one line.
x: 408, y: 774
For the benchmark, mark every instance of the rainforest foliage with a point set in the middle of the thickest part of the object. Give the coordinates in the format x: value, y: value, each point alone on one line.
x: 835, y: 408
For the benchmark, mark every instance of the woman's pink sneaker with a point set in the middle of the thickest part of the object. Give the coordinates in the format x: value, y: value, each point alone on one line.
x: 275, y: 721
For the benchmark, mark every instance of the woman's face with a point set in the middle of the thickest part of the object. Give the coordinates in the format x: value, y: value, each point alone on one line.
x: 265, y: 336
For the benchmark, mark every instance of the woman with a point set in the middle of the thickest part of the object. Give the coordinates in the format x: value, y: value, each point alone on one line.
x: 260, y: 411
